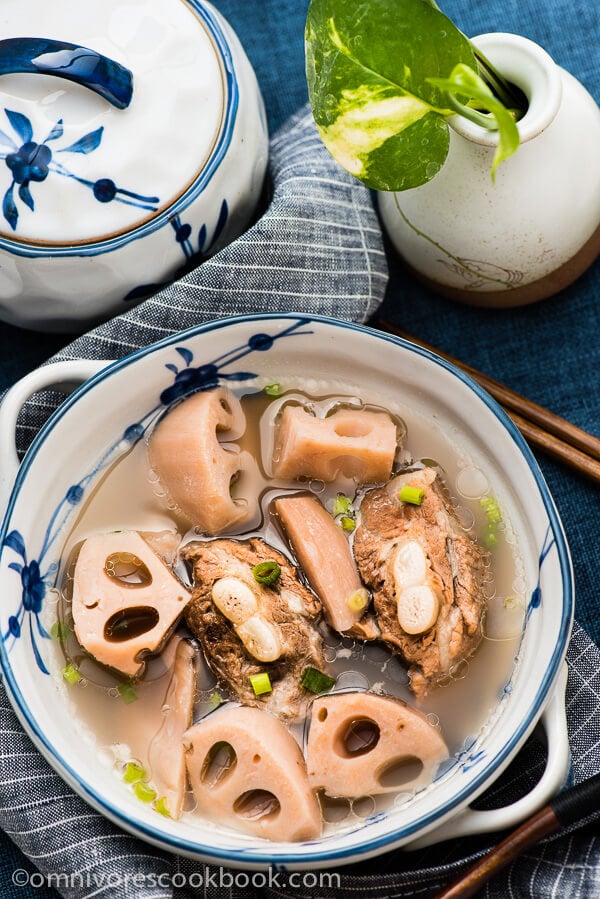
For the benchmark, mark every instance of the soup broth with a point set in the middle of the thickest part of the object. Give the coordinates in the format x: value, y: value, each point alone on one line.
x: 121, y: 718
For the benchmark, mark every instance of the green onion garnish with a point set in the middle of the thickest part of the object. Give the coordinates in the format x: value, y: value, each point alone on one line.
x: 315, y: 681
x: 492, y: 509
x: 358, y: 600
x: 347, y: 523
x: 71, y: 674
x: 133, y: 773
x: 214, y: 700
x: 494, y: 518
x: 273, y: 390
x: 144, y: 792
x: 261, y: 683
x: 341, y: 504
x: 161, y: 807
x: 490, y: 539
x: 127, y: 693
x: 60, y: 630
x: 413, y: 495
x: 266, y: 573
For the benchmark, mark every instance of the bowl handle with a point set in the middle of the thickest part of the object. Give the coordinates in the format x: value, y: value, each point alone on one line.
x: 470, y: 821
x: 100, y: 74
x: 61, y: 376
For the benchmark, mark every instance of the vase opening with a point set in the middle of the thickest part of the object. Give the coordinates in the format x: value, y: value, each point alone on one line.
x: 532, y: 71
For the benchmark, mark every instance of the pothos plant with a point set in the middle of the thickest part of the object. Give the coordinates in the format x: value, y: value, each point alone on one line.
x: 383, y: 78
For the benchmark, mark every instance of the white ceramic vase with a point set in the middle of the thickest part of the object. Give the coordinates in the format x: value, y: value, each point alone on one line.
x: 537, y: 227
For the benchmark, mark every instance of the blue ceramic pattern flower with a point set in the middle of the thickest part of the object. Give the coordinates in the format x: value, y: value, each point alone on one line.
x: 33, y: 591
x: 536, y: 595
x: 31, y: 161
x: 188, y: 380
x: 183, y: 235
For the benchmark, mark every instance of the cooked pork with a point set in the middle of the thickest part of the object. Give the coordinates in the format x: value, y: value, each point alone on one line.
x: 247, y: 628
x: 426, y: 575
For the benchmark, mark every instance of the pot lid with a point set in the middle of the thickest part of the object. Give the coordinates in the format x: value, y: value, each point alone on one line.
x: 107, y: 115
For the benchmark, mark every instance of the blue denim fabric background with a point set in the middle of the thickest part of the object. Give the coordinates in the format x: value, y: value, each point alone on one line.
x: 549, y: 352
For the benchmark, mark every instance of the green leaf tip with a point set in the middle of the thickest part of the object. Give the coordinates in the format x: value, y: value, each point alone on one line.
x: 465, y: 82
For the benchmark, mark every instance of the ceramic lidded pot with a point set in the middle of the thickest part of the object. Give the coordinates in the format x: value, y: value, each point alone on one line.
x: 537, y: 227
x: 132, y: 139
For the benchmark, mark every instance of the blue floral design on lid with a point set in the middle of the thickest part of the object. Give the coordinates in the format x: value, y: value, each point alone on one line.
x: 32, y: 161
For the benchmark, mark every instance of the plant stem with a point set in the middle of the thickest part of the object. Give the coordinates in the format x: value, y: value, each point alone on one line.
x: 474, y: 115
x: 509, y: 94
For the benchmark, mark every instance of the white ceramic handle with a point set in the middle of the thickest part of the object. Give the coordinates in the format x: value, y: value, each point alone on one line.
x: 61, y: 376
x: 470, y: 821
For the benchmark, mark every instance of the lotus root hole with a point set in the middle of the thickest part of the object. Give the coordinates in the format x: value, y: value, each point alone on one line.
x: 400, y: 771
x: 352, y: 428
x: 356, y: 736
x: 131, y: 622
x: 256, y: 804
x: 219, y: 763
x: 127, y: 569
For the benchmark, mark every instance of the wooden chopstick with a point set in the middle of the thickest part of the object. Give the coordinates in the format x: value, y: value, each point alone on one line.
x: 570, y: 806
x: 541, y: 428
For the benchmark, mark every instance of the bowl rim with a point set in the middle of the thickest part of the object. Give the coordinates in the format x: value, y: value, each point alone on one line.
x: 213, y: 22
x: 259, y: 857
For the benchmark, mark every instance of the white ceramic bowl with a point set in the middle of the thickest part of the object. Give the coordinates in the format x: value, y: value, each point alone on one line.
x: 111, y: 410
x: 133, y: 139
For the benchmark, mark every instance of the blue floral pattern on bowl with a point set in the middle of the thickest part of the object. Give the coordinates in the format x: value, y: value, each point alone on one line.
x: 188, y: 379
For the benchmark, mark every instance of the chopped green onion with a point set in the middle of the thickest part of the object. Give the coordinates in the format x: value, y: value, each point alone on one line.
x: 315, y: 681
x: 492, y: 509
x: 127, y: 693
x: 490, y: 539
x: 341, y: 504
x: 273, y: 390
x: 266, y: 573
x: 413, y: 495
x: 144, y: 792
x: 261, y: 683
x: 71, y: 674
x: 358, y: 601
x: 347, y: 523
x: 215, y: 699
x: 60, y: 630
x: 493, y: 517
x: 161, y: 807
x: 133, y: 773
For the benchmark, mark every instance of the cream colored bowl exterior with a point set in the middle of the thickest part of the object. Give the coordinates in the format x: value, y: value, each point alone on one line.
x: 112, y: 409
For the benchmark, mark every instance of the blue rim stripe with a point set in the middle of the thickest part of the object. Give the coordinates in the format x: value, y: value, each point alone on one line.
x: 389, y: 840
x: 232, y: 92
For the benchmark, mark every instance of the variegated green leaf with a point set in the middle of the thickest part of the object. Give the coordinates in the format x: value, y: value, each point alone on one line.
x: 368, y: 66
x: 384, y: 75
